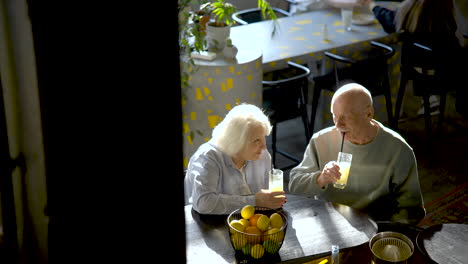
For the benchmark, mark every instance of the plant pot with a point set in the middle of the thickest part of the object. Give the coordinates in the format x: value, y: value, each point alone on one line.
x: 216, y: 37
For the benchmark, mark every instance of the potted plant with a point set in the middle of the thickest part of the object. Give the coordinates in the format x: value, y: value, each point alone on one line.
x: 192, y: 26
x: 217, y: 30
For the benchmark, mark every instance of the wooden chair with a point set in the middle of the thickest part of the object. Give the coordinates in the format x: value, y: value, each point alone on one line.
x: 421, y: 64
x: 371, y: 72
x: 461, y: 102
x: 284, y: 98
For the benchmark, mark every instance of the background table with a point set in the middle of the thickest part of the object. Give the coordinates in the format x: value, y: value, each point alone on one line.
x: 299, y: 37
x: 313, y: 226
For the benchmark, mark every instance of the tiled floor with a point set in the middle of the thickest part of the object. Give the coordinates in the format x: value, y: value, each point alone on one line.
x: 440, y: 163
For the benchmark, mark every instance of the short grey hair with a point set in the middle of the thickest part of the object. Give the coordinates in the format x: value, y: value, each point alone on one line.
x: 231, y: 135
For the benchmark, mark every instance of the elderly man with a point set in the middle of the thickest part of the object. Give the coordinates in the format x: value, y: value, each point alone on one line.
x: 383, y: 179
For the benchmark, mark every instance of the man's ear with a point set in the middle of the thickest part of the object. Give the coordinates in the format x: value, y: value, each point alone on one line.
x: 370, y: 112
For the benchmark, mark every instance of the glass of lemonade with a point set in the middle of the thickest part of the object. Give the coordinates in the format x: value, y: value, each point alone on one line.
x: 275, y: 182
x: 344, y: 161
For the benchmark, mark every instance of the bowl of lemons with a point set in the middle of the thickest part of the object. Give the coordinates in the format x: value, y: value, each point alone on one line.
x: 257, y: 232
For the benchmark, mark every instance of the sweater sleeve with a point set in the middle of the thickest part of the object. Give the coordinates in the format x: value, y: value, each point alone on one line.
x: 386, y: 18
x: 303, y: 178
x: 407, y: 191
x: 206, y: 174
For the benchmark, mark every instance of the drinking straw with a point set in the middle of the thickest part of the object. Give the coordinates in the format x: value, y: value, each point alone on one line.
x: 342, y: 141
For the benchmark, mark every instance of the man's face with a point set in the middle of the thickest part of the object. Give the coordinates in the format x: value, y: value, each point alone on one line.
x: 349, y: 116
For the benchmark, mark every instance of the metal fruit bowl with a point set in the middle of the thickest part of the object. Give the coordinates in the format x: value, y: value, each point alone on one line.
x: 257, y: 246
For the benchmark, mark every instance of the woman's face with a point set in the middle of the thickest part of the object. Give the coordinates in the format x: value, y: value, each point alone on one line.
x: 256, y: 143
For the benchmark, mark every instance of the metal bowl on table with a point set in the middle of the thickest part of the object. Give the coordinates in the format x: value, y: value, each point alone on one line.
x: 391, y: 247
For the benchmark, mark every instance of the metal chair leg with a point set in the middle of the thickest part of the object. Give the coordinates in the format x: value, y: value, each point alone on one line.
x: 315, y: 100
x: 399, y: 100
x: 427, y: 115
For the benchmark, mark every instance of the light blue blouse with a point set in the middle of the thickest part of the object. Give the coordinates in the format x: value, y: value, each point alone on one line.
x: 214, y: 185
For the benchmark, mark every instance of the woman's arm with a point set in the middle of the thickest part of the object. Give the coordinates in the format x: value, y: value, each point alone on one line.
x: 207, y: 174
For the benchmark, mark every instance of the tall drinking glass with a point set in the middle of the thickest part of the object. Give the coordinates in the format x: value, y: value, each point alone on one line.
x: 346, y: 16
x: 275, y: 182
x: 344, y: 161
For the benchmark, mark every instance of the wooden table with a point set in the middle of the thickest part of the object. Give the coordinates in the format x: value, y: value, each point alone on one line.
x: 313, y: 226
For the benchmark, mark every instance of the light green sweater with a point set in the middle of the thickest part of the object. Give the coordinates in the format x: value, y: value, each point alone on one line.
x: 383, y: 179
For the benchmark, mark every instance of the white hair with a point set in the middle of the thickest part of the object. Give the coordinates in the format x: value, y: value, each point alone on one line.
x: 231, y: 135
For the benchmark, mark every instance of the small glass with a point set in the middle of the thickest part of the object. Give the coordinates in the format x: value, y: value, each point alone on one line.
x: 346, y: 16
x: 335, y: 254
x: 344, y: 161
x: 275, y: 182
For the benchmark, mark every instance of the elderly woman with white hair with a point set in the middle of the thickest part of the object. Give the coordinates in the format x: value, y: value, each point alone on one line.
x: 231, y: 169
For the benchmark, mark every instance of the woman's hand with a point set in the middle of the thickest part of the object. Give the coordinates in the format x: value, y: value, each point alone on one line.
x: 266, y: 198
x: 330, y: 173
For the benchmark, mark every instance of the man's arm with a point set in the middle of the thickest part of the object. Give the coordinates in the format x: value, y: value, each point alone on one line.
x: 303, y: 178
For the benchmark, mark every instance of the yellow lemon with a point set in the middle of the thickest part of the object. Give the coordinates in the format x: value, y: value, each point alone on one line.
x: 275, y: 234
x: 276, y: 220
x: 238, y: 241
x: 237, y: 226
x: 247, y: 211
x: 257, y: 251
x: 245, y: 222
x: 263, y: 222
